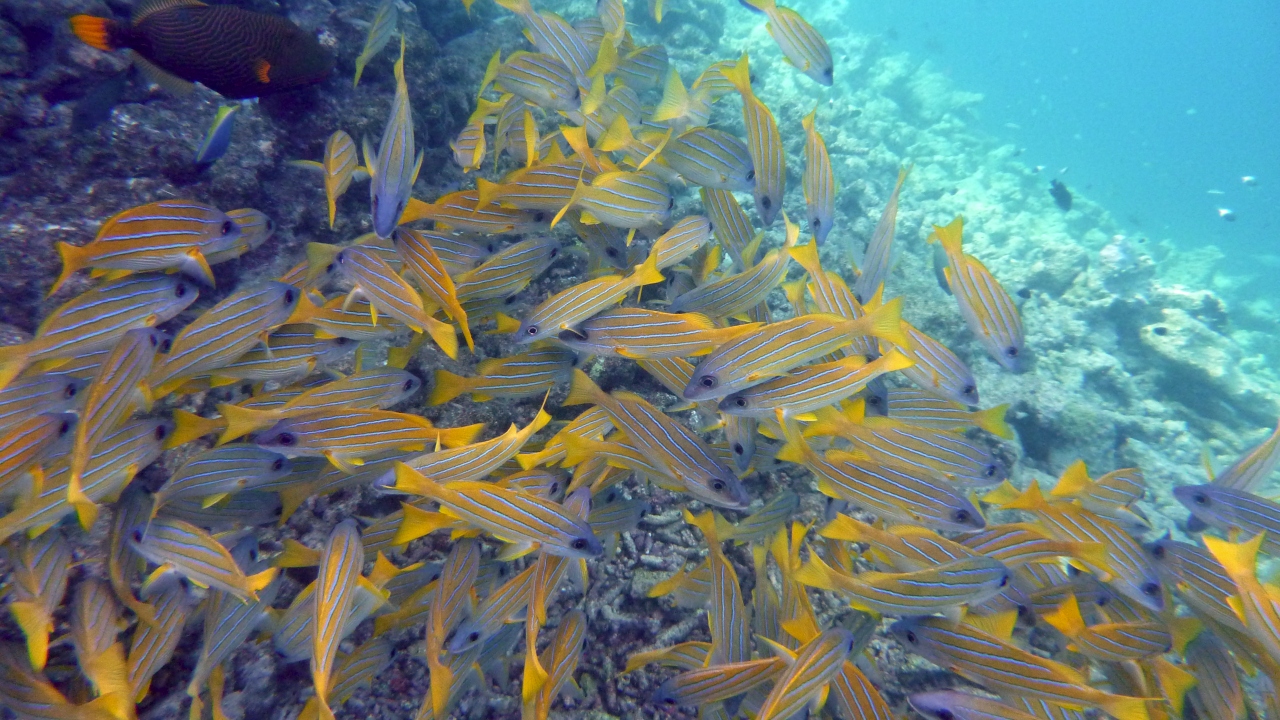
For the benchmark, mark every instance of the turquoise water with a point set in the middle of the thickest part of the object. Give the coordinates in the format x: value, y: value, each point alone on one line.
x: 1148, y: 106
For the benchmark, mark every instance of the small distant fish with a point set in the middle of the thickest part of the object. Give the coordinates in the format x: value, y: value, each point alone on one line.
x: 542, y: 80
x: 1226, y: 214
x: 230, y: 50
x: 340, y: 166
x: 381, y: 29
x: 218, y: 138
x: 803, y: 46
x: 1249, y: 180
x: 1060, y: 194
x: 877, y: 261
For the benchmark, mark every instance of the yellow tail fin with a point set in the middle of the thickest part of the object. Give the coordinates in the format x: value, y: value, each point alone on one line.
x: 447, y: 387
x: 886, y: 323
x: 992, y: 420
x: 241, y: 421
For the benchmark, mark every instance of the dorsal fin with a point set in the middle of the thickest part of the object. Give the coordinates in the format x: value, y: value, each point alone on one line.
x: 146, y: 8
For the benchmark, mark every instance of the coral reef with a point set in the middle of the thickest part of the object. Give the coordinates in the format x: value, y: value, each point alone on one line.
x: 1137, y: 357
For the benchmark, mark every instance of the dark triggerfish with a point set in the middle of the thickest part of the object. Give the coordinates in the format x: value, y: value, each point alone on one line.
x: 238, y: 53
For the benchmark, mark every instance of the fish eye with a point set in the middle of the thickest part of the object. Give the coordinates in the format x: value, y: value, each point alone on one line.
x: 278, y: 465
x: 287, y: 439
x: 70, y: 392
x: 288, y: 296
x: 408, y: 385
x: 710, y: 225
x: 1011, y: 352
x: 180, y: 290
x: 161, y: 433
x: 227, y: 227
x: 707, y: 381
x: 671, y: 203
x: 960, y: 516
x: 1158, y: 552
x: 1004, y: 580
x: 533, y: 330
x: 717, y: 485
x: 991, y: 471
x: 751, y: 174
x: 64, y: 427
x: 577, y: 93
x: 473, y: 636
x: 740, y: 402
x: 554, y: 252
x: 579, y: 544
x: 942, y: 714
x: 611, y: 252
x: 136, y: 535
x: 154, y: 340
x: 271, y: 226
x: 766, y: 202
x: 166, y: 345
x: 669, y: 700
x: 738, y: 449
x: 816, y: 222
x: 1200, y: 499
x: 911, y: 637
x: 1150, y: 589
x: 969, y: 389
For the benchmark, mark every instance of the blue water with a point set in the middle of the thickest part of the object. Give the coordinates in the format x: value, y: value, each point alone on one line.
x: 1149, y: 106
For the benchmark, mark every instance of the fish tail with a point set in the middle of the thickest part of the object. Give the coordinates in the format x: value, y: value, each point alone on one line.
x: 1066, y: 617
x: 241, y: 421
x: 807, y: 122
x: 1029, y: 499
x: 13, y: 360
x: 86, y: 509
x: 36, y: 625
x: 579, y: 449
x: 582, y: 390
x: 647, y: 273
x: 1074, y: 481
x: 444, y: 335
x: 418, y: 522
x: 1123, y: 707
x: 894, y: 360
x: 486, y: 192
x: 807, y: 256
x: 760, y: 6
x: 115, y: 704
x: 668, y: 586
x: 97, y: 32
x: 74, y: 259
x: 950, y: 236
x: 740, y: 75
x: 460, y: 436
x: 519, y: 7
x: 815, y: 573
x: 706, y: 522
x: 796, y: 448
x: 886, y: 323
x: 1240, y: 560
x: 261, y: 580
x: 579, y: 191
x: 447, y: 387
x: 188, y: 426
x: 992, y: 420
x: 675, y: 99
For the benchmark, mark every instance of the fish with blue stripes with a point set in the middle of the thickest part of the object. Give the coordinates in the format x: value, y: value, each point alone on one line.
x: 340, y: 166
x: 525, y: 375
x: 878, y: 258
x: 118, y: 389
x: 164, y: 235
x: 524, y: 521
x: 818, y: 181
x: 381, y: 28
x: 346, y: 436
x: 341, y: 561
x: 386, y: 290
x: 394, y: 168
x: 711, y: 158
x: 985, y: 305
x: 802, y: 45
x: 764, y: 143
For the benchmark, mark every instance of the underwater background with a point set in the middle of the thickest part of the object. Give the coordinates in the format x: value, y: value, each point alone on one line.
x: 1152, y: 317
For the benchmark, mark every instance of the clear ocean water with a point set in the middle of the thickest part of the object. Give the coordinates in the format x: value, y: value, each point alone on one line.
x: 1155, y: 110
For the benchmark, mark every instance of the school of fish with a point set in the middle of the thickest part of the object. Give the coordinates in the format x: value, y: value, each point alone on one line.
x: 594, y: 140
